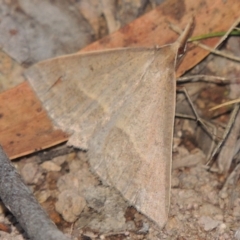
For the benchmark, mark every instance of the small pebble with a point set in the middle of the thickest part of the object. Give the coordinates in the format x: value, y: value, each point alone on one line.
x: 59, y: 160
x: 30, y: 173
x: 50, y: 166
x: 208, y: 223
x: 70, y: 205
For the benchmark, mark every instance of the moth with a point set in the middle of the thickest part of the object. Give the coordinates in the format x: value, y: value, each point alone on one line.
x: 119, y: 105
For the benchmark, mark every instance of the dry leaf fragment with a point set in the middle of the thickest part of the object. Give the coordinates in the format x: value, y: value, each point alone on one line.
x: 120, y: 105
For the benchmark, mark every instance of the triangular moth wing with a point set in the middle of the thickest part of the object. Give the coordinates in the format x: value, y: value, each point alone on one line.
x: 82, y: 91
x: 133, y: 151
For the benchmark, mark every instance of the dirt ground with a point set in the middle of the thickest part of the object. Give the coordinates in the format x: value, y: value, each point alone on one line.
x: 205, y: 204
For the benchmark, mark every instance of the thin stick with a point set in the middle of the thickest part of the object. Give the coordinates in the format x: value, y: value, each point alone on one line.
x: 185, y: 116
x: 231, y: 180
x: 212, y: 134
x: 228, y: 150
x: 226, y: 132
x: 217, y: 52
x: 20, y: 201
x: 206, y: 78
x: 225, y: 104
x: 197, y: 118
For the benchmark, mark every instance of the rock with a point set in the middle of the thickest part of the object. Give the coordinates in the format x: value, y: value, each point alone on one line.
x: 59, y: 160
x: 236, y: 211
x: 221, y: 228
x: 50, y: 166
x: 31, y: 173
x: 144, y: 229
x: 188, y: 197
x: 188, y: 160
x: 77, y: 181
x: 208, y: 223
x: 96, y: 197
x: 188, y: 181
x: 173, y: 223
x: 42, y: 196
x: 75, y: 165
x: 70, y: 205
x: 108, y: 213
x: 210, y: 210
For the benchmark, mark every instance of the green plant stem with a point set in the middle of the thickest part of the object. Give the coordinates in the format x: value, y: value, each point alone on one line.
x: 211, y: 35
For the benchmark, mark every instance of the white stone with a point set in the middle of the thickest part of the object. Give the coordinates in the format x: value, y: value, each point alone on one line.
x: 50, y: 166
x: 70, y: 205
x: 208, y: 223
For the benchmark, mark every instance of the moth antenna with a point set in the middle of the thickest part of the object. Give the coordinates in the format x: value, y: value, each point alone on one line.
x: 180, y: 44
x: 181, y: 41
